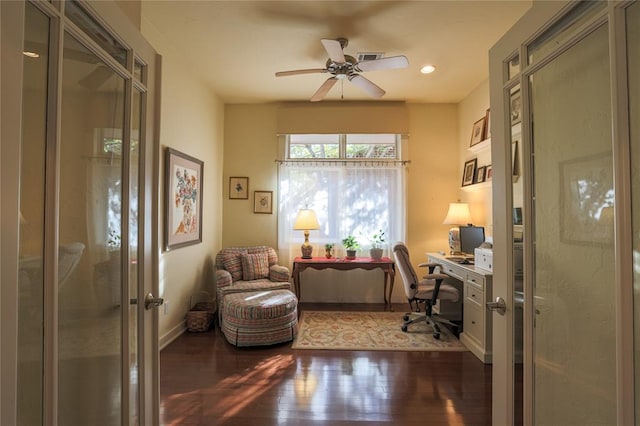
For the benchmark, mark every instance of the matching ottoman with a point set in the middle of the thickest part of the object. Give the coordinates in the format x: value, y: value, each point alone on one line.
x: 259, y: 318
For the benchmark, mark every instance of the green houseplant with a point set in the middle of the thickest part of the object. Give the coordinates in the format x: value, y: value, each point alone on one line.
x: 328, y: 249
x: 351, y: 245
x: 377, y: 240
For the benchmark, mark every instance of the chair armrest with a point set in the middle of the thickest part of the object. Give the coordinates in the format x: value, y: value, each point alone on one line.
x: 279, y: 273
x: 223, y: 278
x: 432, y: 267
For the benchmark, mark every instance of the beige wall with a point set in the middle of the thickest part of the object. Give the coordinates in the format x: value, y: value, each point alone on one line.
x: 251, y: 148
x: 471, y: 109
x: 191, y: 122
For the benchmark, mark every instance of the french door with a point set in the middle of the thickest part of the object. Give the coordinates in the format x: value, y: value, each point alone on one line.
x: 565, y: 93
x: 79, y: 217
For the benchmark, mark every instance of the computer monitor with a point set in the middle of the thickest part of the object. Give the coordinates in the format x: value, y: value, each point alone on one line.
x: 470, y: 238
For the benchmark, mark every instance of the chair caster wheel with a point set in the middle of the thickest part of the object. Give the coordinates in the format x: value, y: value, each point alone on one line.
x: 405, y: 318
x: 436, y: 336
x: 404, y: 328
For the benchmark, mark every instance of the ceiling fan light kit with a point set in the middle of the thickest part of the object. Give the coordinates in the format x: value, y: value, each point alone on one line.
x: 346, y: 67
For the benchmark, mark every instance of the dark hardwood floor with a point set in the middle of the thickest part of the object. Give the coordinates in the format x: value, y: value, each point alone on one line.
x: 207, y: 381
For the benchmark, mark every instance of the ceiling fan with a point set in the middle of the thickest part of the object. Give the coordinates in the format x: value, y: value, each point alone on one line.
x: 342, y: 66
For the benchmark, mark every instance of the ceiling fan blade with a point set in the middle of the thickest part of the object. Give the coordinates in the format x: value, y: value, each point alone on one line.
x: 324, y: 89
x: 383, y: 63
x: 366, y: 85
x: 334, y: 49
x: 296, y: 72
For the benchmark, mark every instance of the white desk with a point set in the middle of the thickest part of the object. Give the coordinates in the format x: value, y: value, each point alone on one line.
x: 477, y: 291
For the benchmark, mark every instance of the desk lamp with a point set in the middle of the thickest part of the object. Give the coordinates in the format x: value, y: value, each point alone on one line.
x: 305, y: 221
x: 457, y: 215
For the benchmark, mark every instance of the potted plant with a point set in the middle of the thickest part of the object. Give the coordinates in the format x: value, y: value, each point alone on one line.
x: 350, y: 245
x: 376, y: 245
x: 327, y: 250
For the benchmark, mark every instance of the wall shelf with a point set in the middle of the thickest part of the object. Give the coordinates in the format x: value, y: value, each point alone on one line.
x: 476, y: 186
x: 480, y: 146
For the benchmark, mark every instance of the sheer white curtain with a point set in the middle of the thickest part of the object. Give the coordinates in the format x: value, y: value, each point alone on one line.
x: 349, y: 197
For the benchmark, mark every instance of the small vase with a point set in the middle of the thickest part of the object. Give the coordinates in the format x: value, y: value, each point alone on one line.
x: 351, y: 254
x: 327, y: 252
x: 375, y: 253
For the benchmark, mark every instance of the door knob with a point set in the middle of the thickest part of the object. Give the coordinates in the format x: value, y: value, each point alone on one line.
x: 151, y: 302
x: 499, y: 306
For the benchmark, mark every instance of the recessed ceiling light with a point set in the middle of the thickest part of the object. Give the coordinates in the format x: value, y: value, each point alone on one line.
x: 428, y: 69
x: 31, y: 54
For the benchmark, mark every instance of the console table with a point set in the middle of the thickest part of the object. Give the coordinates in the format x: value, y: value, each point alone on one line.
x: 477, y: 321
x: 387, y: 265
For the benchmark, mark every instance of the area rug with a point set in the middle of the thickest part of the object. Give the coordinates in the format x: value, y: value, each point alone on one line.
x: 368, y: 331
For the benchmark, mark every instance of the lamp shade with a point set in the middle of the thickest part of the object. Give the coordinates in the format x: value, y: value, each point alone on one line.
x: 306, y: 220
x: 458, y: 214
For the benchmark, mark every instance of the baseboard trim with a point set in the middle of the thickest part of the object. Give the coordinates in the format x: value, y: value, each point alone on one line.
x: 173, y: 334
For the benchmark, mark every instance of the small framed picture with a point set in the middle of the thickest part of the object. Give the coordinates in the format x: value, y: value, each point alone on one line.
x: 469, y: 172
x: 516, y: 107
x: 263, y: 202
x: 487, y: 124
x: 238, y: 188
x: 481, y: 174
x: 489, y: 173
x: 477, y: 134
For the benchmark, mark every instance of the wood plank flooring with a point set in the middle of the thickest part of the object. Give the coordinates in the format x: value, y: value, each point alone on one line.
x: 207, y: 381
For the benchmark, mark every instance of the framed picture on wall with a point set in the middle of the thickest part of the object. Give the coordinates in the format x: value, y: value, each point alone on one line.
x: 238, y: 188
x: 469, y: 172
x: 477, y: 133
x: 487, y: 124
x: 481, y: 174
x: 489, y: 173
x: 263, y: 202
x: 183, y: 200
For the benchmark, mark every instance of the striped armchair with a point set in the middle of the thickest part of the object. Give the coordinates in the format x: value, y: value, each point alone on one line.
x: 246, y: 269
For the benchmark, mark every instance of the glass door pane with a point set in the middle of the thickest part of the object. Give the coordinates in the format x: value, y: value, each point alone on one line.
x: 574, y: 351
x: 90, y: 218
x: 134, y: 255
x: 633, y: 58
x: 31, y: 249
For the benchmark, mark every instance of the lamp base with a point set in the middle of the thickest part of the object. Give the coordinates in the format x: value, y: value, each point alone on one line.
x: 306, y: 250
x: 454, y: 240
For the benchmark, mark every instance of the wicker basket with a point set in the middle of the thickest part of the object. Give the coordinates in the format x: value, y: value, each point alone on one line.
x: 201, y: 316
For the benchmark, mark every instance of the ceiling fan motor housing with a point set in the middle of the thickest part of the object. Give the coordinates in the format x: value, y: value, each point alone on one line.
x: 342, y: 70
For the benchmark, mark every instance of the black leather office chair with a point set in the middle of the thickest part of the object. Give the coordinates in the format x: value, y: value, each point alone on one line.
x: 427, y: 291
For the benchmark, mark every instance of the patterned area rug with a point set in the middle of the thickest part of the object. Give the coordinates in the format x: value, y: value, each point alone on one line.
x: 370, y: 331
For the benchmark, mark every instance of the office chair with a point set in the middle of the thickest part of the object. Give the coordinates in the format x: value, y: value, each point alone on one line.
x: 427, y: 291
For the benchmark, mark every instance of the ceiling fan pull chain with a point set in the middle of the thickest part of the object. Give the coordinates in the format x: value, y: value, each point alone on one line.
x: 342, y: 90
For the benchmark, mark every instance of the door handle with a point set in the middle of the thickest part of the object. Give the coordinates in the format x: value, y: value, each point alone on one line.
x: 498, y: 306
x: 152, y: 302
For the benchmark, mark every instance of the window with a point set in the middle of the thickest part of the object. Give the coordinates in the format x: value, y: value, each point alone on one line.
x: 355, y: 183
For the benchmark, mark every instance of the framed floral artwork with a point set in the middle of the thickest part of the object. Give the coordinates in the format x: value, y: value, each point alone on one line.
x: 263, y: 202
x: 183, y: 200
x: 238, y: 188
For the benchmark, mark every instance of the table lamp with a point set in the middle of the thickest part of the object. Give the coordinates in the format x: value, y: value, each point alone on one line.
x: 458, y: 214
x: 306, y: 221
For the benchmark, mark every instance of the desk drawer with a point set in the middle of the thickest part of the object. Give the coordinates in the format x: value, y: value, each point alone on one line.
x: 454, y: 272
x: 473, y: 322
x: 473, y: 295
x: 476, y: 281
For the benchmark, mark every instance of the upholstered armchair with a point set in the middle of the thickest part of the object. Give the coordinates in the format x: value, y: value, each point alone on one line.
x: 245, y: 269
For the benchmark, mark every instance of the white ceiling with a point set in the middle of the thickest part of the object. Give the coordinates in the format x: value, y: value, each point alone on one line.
x: 237, y: 46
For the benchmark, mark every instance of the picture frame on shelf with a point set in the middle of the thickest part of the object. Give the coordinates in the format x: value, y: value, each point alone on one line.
x: 489, y: 173
x: 516, y: 107
x: 263, y: 202
x: 469, y: 172
x: 481, y: 174
x: 238, y: 188
x: 477, y: 133
x: 183, y: 200
x: 487, y: 125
